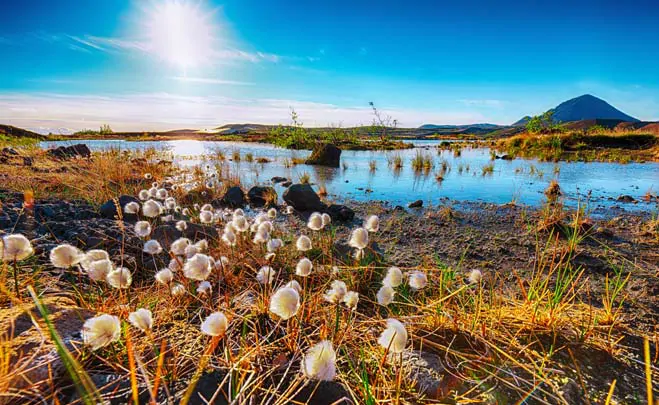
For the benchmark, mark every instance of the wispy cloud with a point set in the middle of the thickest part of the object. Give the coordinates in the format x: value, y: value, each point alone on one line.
x: 161, y: 111
x: 209, y: 80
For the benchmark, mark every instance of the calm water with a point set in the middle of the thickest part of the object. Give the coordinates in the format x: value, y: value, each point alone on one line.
x: 523, y: 180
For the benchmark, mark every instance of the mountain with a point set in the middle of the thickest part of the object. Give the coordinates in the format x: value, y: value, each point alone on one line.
x: 586, y: 107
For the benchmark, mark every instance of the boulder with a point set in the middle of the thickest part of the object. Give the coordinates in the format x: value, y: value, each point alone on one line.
x: 110, y: 208
x: 340, y: 212
x: 302, y: 198
x: 416, y: 204
x: 626, y: 199
x: 278, y: 179
x: 259, y: 196
x: 425, y: 372
x: 234, y: 197
x: 33, y: 358
x: 68, y: 152
x: 325, y: 155
x: 10, y: 151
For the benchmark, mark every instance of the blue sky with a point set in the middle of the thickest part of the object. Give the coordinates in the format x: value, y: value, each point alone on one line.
x: 165, y: 64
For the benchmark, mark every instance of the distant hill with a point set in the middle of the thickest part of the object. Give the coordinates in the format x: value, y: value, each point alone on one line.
x: 19, y: 132
x: 586, y: 107
x: 482, y: 126
x: 469, y: 129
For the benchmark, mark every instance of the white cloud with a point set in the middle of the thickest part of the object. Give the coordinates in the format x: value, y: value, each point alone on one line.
x: 164, y: 111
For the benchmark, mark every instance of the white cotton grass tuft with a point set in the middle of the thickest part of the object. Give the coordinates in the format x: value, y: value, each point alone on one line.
x: 358, y: 238
x: 148, y: 176
x: 175, y: 264
x: 181, y: 225
x: 207, y: 207
x: 289, y: 210
x: 152, y: 247
x: 204, y: 288
x: 143, y: 195
x: 274, y: 244
x: 170, y: 203
x: 206, y: 217
x: 304, y: 267
x: 164, y: 276
x: 315, y: 222
x: 132, y: 208
x: 351, y: 299
x: 198, y: 267
x: 394, y: 337
x: 240, y: 223
x: 229, y: 238
x: 475, y: 276
x: 142, y: 229
x: 216, y: 324
x: 119, y: 278
x: 417, y: 280
x: 93, y: 255
x: 261, y: 237
x: 151, y: 208
x: 15, y: 247
x: 142, y: 319
x: 337, y: 291
x: 265, y: 275
x: 100, y: 331
x: 153, y: 191
x: 177, y: 289
x: 294, y: 285
x: 285, y: 302
x: 272, y: 213
x: 98, y: 270
x: 303, y: 243
x: 394, y: 277
x: 161, y: 194
x: 64, y: 256
x: 327, y: 220
x: 177, y: 248
x: 319, y: 362
x: 385, y: 295
x: 372, y: 223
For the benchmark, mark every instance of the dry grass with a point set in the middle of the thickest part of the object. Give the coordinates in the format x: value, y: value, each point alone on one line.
x: 495, y: 339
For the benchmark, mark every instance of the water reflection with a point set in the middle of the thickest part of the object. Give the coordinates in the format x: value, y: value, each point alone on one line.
x: 471, y: 175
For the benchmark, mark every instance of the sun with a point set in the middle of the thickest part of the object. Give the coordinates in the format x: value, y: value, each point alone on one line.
x: 181, y: 33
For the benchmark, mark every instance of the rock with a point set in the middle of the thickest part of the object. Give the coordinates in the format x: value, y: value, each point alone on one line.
x: 626, y: 199
x: 416, y: 204
x: 325, y: 155
x: 234, y: 197
x: 278, y: 179
x: 33, y: 357
x: 426, y: 373
x: 323, y: 393
x: 68, y: 152
x: 287, y: 183
x: 340, y: 212
x: 110, y: 208
x: 167, y: 233
x: 27, y: 161
x: 505, y: 157
x: 259, y: 196
x: 303, y: 198
x: 10, y: 151
x: 399, y: 208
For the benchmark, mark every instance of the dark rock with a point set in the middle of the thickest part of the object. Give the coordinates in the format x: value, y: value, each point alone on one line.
x: 234, y: 197
x: 325, y: 155
x: 10, y: 151
x: 68, y: 152
x: 110, y: 208
x: 505, y: 157
x: 340, y: 212
x: 259, y: 196
x: 323, y: 393
x: 626, y: 199
x: 27, y: 161
x: 167, y: 233
x: 399, y: 208
x: 416, y: 204
x: 303, y: 198
x: 278, y: 179
x: 206, y: 387
x: 287, y: 183
x: 426, y: 373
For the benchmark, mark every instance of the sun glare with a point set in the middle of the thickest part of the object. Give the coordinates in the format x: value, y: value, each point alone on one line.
x: 181, y: 33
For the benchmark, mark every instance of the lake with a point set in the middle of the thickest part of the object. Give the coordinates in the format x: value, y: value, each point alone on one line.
x: 520, y: 180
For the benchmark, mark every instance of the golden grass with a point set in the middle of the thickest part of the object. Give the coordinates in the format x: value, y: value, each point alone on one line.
x: 492, y: 336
